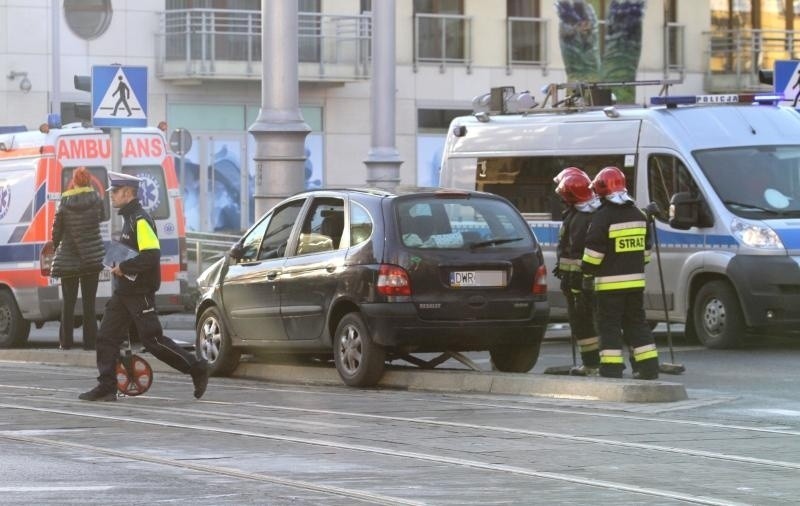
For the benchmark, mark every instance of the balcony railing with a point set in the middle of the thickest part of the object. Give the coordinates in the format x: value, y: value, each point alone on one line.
x: 443, y: 39
x: 226, y: 44
x: 735, y: 56
x: 526, y: 42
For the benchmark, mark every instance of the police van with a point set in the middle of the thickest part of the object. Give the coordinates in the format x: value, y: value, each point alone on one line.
x: 35, y: 168
x: 723, y: 169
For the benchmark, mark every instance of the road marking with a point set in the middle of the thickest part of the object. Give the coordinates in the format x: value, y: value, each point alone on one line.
x: 58, y: 488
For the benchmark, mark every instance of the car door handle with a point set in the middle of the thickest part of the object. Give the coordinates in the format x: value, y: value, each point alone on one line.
x: 330, y: 267
x: 272, y: 275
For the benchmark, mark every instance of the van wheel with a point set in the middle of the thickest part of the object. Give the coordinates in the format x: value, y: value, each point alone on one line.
x: 358, y: 359
x: 214, y: 344
x: 516, y: 358
x: 718, y: 322
x: 14, y: 329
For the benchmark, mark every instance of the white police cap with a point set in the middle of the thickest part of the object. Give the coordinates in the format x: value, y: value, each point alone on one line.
x: 118, y: 179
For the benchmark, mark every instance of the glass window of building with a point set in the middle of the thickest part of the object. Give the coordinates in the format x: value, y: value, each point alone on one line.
x: 309, y: 36
x: 440, y: 30
x: 88, y: 19
x: 525, y: 31
x: 432, y: 125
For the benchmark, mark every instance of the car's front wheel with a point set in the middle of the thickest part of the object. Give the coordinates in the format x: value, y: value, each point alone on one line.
x: 214, y: 344
x: 517, y: 357
x: 359, y: 361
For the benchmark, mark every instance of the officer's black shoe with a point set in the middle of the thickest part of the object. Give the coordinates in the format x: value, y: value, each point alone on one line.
x: 200, y: 378
x: 99, y: 393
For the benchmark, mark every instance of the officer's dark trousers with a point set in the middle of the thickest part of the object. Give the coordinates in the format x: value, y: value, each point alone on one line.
x: 620, y: 316
x: 69, y: 291
x: 120, y: 311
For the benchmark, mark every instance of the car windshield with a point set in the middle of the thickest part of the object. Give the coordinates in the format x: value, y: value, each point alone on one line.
x: 755, y: 181
x: 468, y: 222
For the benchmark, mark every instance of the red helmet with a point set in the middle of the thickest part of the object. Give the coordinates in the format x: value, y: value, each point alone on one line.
x: 607, y: 181
x: 566, y: 172
x: 574, y: 188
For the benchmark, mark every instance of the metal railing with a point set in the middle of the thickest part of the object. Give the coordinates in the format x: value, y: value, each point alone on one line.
x: 204, y: 248
x: 526, y: 42
x: 225, y: 43
x: 735, y: 56
x: 443, y: 39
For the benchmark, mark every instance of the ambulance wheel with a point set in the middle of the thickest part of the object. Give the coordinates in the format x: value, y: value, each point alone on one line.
x: 14, y: 329
x: 214, y: 344
x: 516, y: 358
x: 718, y: 322
x: 359, y: 361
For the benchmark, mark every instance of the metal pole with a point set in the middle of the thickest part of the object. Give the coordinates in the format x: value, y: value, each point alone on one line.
x: 383, y: 160
x: 279, y: 130
x: 116, y: 166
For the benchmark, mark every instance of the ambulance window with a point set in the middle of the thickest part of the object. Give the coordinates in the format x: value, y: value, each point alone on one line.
x: 528, y: 181
x: 152, y: 189
x: 666, y: 176
x: 99, y: 181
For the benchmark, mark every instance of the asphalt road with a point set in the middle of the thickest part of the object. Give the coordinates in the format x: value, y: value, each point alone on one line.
x: 735, y: 441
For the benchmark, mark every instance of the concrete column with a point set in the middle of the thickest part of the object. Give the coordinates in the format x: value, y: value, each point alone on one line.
x: 279, y: 130
x: 383, y: 160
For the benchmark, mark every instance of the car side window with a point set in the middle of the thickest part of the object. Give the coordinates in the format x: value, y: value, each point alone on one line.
x: 666, y: 176
x: 360, y: 224
x: 279, y: 231
x: 322, y: 228
x: 251, y: 242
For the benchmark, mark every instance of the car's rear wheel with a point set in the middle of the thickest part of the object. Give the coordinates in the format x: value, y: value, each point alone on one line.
x: 14, y: 329
x: 517, y: 357
x: 214, y: 344
x: 358, y: 359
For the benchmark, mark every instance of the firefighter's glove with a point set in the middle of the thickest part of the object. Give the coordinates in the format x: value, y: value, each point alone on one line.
x: 557, y: 272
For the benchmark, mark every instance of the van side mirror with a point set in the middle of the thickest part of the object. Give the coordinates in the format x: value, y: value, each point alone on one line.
x: 687, y: 211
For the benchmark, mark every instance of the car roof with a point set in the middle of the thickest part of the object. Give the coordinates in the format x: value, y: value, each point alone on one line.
x: 400, y: 191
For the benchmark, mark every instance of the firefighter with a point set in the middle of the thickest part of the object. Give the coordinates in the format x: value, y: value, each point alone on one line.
x: 573, y: 189
x: 618, y: 246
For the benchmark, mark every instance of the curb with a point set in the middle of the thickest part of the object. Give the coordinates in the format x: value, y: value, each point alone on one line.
x: 450, y: 381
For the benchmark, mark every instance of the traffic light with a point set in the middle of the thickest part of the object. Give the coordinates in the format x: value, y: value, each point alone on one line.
x: 83, y: 110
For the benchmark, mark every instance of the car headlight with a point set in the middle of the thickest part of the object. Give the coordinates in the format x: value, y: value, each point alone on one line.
x: 755, y: 235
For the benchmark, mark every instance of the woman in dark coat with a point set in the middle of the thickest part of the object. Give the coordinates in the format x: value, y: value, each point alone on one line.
x: 79, y: 255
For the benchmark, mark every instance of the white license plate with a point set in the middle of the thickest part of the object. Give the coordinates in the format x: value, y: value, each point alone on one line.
x: 460, y: 279
x: 105, y: 275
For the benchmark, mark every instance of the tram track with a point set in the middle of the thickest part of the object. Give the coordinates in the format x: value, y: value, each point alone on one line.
x: 418, y: 456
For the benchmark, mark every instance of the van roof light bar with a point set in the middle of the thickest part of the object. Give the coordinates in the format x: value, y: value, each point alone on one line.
x: 731, y: 98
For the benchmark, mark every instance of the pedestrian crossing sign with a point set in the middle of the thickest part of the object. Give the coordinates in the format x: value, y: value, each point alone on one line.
x: 786, y: 80
x: 119, y: 96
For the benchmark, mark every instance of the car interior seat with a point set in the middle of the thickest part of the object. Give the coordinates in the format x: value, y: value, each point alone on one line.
x: 423, y: 226
x: 332, y: 226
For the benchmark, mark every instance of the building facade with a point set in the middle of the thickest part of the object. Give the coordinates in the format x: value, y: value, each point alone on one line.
x: 205, y: 69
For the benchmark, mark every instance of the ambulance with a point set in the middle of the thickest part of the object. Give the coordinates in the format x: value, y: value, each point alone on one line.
x: 724, y: 171
x: 35, y: 168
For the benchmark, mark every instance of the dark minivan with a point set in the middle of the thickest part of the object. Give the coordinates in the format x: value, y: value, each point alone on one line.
x: 370, y: 276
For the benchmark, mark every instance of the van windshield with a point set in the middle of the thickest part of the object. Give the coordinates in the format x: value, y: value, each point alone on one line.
x: 755, y: 181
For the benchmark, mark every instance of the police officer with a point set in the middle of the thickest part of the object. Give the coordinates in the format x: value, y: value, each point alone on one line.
x: 573, y: 189
x: 618, y: 246
x: 136, y: 281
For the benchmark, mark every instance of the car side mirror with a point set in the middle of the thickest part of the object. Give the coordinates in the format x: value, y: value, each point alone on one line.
x: 687, y: 211
x: 236, y: 252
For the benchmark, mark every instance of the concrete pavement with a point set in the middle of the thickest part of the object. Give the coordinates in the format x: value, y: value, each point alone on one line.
x: 399, y: 377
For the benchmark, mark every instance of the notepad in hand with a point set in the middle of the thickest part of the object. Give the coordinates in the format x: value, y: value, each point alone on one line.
x: 116, y: 253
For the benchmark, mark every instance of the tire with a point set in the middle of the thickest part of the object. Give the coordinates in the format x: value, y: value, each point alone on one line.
x: 717, y: 318
x: 516, y: 358
x: 214, y: 344
x: 359, y: 361
x: 14, y: 329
